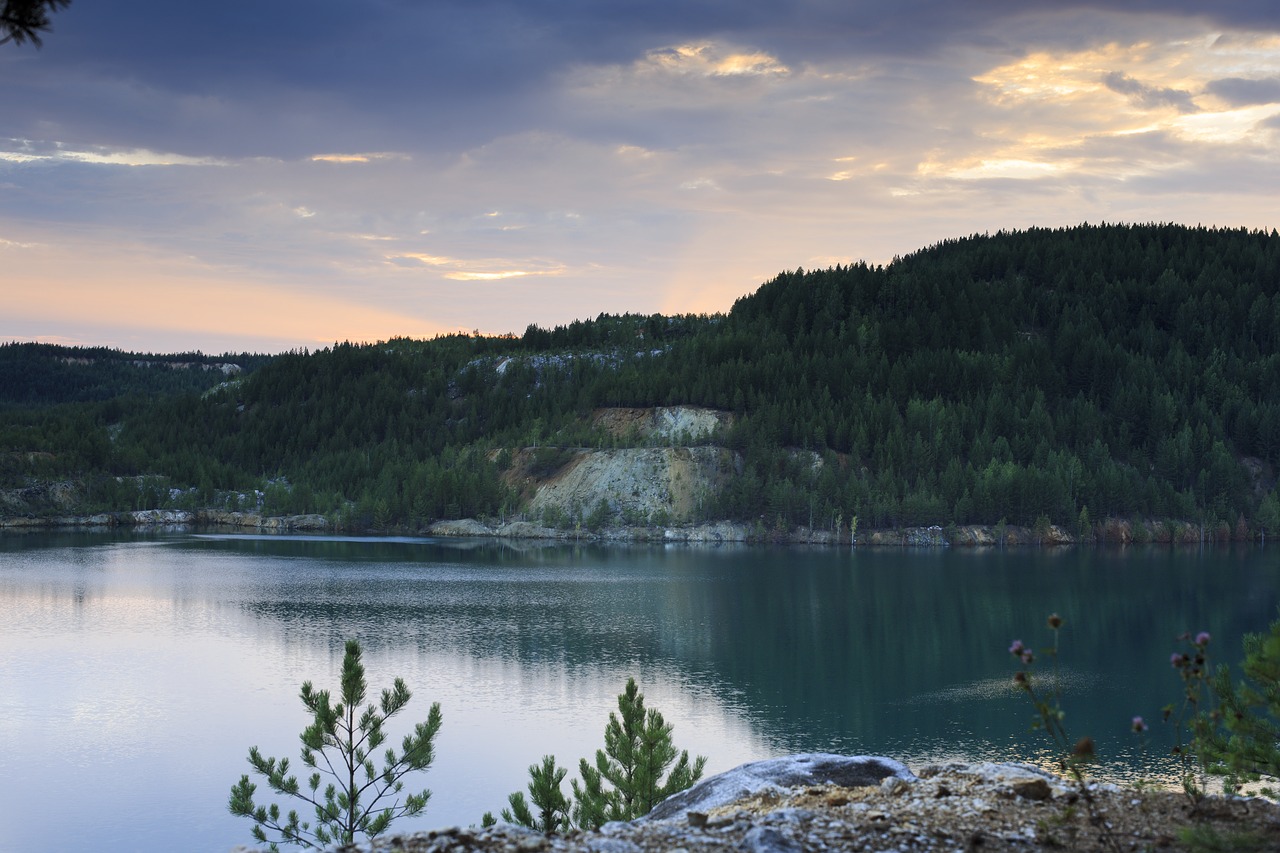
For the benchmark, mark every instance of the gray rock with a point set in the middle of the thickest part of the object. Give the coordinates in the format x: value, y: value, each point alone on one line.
x: 765, y: 839
x: 792, y: 815
x: 894, y: 786
x: 611, y: 845
x: 460, y: 527
x: 776, y: 774
x: 1032, y: 789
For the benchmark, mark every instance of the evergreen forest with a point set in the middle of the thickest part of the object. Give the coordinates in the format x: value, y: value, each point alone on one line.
x: 1056, y: 375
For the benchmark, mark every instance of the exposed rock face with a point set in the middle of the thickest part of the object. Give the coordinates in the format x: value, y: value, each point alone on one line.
x: 639, y: 482
x: 159, y: 517
x: 1117, y: 530
x: 462, y: 527
x: 974, y: 536
x: 1056, y: 536
x: 775, y: 774
x: 715, y: 533
x: 101, y: 519
x: 175, y: 518
x: 915, y: 536
x: 520, y: 530
x: 312, y: 521
x: 257, y: 521
x: 669, y: 423
x: 662, y: 479
x: 59, y: 496
x: 228, y: 518
x: 929, y: 537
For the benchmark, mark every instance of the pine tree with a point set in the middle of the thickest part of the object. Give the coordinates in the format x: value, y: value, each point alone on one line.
x: 1242, y: 740
x: 626, y: 781
x: 544, y: 791
x: 338, y: 743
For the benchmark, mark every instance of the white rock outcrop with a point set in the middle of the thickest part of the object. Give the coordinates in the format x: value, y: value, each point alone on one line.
x: 777, y: 775
x: 638, y: 482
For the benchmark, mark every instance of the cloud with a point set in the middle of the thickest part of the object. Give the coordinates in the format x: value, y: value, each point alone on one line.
x: 1226, y: 126
x: 496, y: 276
x: 1068, y: 105
x: 1008, y: 169
x: 1243, y: 91
x: 34, y: 151
x: 664, y: 156
x: 482, y: 270
x: 665, y: 88
x: 450, y: 75
x: 357, y: 158
x: 709, y: 59
x: 1147, y: 97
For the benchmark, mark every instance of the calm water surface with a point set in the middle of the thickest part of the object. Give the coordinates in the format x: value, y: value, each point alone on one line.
x: 135, y: 672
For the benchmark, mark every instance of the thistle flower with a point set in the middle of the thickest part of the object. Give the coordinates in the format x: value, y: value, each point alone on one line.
x: 1017, y: 648
x: 1202, y: 639
x: 1177, y: 660
x: 1055, y: 621
x: 1139, y: 725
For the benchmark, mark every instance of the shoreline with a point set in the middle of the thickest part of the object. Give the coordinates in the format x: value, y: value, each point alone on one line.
x: 1108, y: 532
x: 835, y: 802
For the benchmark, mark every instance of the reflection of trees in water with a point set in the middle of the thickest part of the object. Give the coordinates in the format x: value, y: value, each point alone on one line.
x: 859, y: 651
x: 836, y: 651
x: 570, y: 606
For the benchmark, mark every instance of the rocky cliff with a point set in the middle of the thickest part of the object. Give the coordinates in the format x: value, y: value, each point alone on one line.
x: 639, y: 484
x: 666, y: 469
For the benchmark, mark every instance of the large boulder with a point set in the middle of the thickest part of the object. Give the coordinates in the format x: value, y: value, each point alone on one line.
x: 778, y: 774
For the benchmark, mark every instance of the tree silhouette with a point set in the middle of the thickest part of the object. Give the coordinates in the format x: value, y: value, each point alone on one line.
x: 23, y: 20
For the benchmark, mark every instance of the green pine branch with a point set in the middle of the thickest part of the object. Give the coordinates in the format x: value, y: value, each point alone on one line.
x: 360, y: 798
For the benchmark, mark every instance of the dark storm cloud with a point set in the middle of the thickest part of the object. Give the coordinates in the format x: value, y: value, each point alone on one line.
x: 1241, y: 92
x: 502, y: 35
x: 223, y: 79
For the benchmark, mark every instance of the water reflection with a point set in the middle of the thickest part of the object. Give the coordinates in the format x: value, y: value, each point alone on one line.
x: 147, y: 665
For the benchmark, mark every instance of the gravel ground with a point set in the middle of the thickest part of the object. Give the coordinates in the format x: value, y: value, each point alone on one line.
x: 984, y: 807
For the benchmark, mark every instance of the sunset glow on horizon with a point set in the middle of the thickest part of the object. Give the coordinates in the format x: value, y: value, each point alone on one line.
x: 180, y: 182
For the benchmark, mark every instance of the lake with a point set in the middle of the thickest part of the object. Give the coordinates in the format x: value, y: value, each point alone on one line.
x: 137, y: 670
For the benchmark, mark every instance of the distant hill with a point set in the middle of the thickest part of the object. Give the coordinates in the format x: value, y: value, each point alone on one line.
x: 1060, y: 376
x: 34, y: 374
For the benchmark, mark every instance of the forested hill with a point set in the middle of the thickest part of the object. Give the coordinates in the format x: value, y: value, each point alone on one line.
x: 45, y: 374
x: 1050, y: 375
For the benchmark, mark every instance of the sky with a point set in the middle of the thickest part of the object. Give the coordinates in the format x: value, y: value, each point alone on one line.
x: 267, y: 176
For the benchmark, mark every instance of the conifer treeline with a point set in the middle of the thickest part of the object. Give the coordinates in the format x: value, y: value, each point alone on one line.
x: 1091, y: 371
x: 33, y: 374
